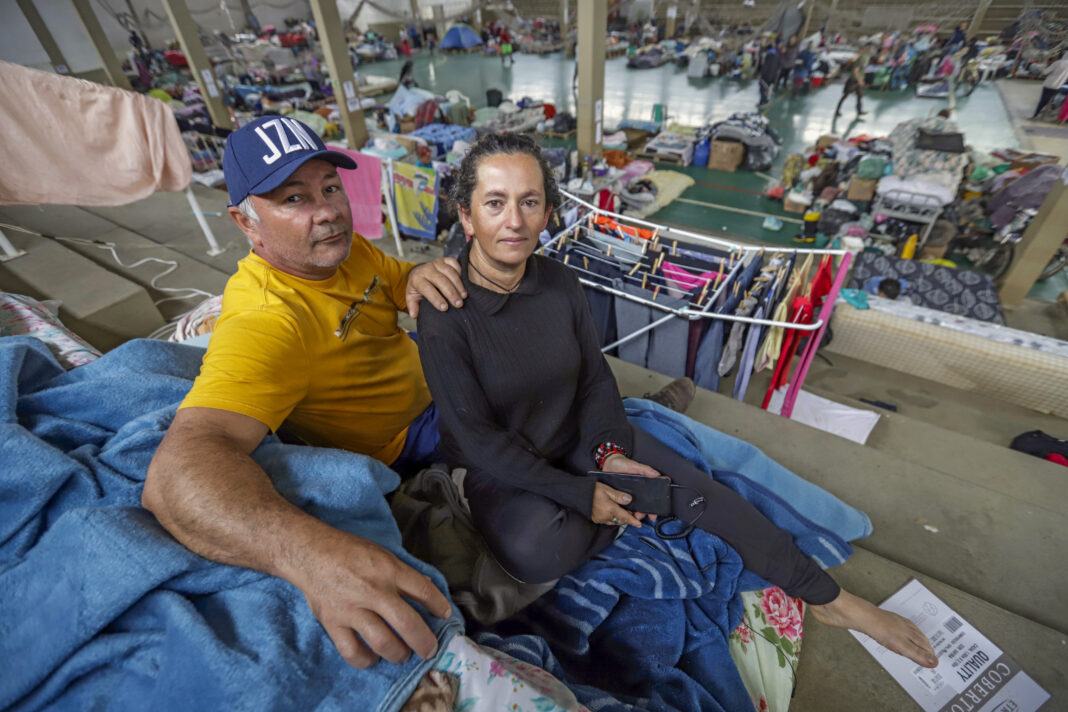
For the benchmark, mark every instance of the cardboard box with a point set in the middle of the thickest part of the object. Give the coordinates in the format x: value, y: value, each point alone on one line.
x: 1031, y: 161
x: 862, y: 188
x: 725, y: 156
x: 795, y: 202
x: 407, y: 124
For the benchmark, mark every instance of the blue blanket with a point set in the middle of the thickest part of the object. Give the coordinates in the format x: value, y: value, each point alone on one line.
x: 645, y: 624
x: 102, y: 608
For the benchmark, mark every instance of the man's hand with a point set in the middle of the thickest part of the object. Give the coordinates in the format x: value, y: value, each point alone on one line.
x: 355, y: 588
x: 438, y: 282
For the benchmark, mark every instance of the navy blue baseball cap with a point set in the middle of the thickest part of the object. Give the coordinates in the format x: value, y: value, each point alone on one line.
x: 262, y: 154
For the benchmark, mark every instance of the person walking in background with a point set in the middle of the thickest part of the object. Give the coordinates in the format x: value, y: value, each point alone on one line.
x: 789, y: 59
x: 855, y: 82
x: 770, y: 67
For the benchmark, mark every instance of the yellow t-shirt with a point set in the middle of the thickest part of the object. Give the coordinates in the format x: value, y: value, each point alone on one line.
x: 325, y: 356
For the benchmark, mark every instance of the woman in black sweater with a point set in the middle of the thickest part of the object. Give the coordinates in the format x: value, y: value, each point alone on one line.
x: 528, y: 405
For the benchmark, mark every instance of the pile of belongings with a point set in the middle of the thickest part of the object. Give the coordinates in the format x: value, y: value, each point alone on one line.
x: 761, y: 141
x: 1004, y: 190
x: 645, y: 195
x: 441, y: 137
x: 649, y: 57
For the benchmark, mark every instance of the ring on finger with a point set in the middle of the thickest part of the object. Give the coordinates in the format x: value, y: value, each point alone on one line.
x: 615, y: 520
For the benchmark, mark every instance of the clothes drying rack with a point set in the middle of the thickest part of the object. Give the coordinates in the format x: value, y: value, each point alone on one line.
x: 630, y: 246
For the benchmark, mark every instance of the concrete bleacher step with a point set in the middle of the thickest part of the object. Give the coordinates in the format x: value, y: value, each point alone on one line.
x: 104, y: 308
x: 131, y: 246
x: 973, y: 414
x: 836, y: 674
x: 997, y: 531
x: 167, y: 219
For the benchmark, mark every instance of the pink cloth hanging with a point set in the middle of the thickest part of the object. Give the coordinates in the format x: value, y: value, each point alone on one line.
x: 685, y: 278
x: 69, y: 141
x: 364, y: 189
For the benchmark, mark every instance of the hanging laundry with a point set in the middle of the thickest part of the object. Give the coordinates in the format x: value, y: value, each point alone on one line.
x: 72, y: 142
x: 802, y: 312
x: 415, y: 197
x: 363, y: 187
x: 706, y: 368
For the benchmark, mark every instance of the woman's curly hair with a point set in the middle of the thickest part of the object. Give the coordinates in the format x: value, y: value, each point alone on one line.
x: 466, y: 177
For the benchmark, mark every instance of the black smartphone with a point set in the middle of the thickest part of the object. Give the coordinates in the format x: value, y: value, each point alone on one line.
x: 650, y: 495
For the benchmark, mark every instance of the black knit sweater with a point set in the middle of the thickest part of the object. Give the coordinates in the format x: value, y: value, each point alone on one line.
x: 522, y: 389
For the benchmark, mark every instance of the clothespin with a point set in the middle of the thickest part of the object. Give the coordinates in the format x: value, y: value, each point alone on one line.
x: 635, y: 268
x: 674, y: 247
x: 608, y: 251
x: 730, y: 264
x: 586, y: 263
x: 736, y: 286
x: 719, y: 275
x: 566, y: 258
x: 704, y: 292
x: 656, y: 236
x: 645, y: 278
x: 656, y: 292
x: 659, y: 261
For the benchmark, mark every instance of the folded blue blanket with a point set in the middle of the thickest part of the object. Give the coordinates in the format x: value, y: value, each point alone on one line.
x: 102, y: 608
x: 645, y: 624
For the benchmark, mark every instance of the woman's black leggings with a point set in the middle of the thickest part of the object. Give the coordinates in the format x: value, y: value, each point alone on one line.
x: 536, y: 539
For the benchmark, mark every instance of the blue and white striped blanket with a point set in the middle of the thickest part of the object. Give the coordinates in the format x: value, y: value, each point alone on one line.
x: 645, y: 624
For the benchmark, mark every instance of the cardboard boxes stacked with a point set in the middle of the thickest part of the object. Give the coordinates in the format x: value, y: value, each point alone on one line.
x: 725, y: 156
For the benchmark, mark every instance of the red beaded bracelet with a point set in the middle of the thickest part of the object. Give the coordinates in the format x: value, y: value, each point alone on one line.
x: 605, y: 450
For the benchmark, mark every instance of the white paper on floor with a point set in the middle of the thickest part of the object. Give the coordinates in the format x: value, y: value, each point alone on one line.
x: 850, y: 423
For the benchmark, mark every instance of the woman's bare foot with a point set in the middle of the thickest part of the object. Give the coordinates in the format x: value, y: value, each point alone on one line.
x: 895, y: 632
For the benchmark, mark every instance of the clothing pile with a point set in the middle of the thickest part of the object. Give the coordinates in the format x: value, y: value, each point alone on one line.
x: 652, y: 191
x: 441, y: 137
x: 761, y: 141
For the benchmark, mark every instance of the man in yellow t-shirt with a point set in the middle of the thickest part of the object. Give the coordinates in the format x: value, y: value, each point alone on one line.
x: 308, y: 335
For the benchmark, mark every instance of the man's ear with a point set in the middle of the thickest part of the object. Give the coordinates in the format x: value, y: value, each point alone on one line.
x: 246, y: 224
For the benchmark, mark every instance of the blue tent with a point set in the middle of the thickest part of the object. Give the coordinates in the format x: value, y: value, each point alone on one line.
x: 460, y: 37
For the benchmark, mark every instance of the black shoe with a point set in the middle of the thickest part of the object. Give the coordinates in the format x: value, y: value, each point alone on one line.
x: 676, y: 395
x: 862, y: 113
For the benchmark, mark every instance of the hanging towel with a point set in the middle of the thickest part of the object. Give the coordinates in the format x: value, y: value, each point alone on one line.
x: 364, y: 189
x: 415, y: 196
x: 69, y: 141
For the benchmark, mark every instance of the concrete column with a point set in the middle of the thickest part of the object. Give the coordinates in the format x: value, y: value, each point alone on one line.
x: 978, y: 17
x: 1040, y: 241
x: 346, y: 93
x: 199, y: 64
x: 112, y: 65
x: 592, y: 26
x: 439, y: 22
x: 672, y: 18
x: 565, y: 16
x: 810, y: 9
x: 55, y: 56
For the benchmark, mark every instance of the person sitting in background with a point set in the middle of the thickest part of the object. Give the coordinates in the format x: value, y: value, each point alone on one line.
x: 1056, y: 76
x: 528, y: 404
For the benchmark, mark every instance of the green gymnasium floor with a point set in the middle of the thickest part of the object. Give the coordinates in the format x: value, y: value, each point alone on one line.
x: 719, y: 202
